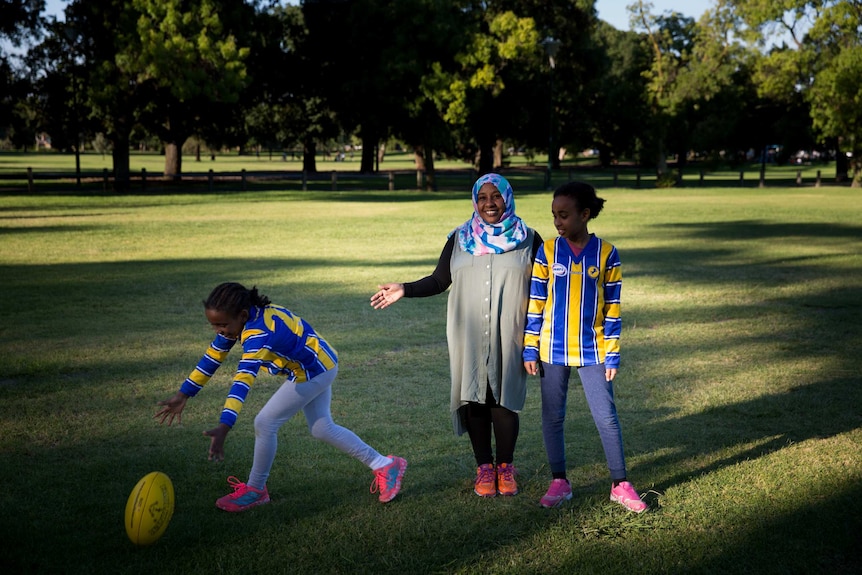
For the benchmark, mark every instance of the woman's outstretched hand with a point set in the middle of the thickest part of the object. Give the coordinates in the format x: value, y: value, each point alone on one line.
x: 386, y: 295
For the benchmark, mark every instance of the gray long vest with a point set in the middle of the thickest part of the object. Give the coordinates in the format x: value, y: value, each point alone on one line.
x: 487, y: 310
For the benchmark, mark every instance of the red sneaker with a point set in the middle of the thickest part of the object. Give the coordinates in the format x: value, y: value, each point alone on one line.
x: 387, y: 479
x: 243, y: 496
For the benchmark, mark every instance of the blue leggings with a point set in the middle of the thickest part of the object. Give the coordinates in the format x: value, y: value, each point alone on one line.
x: 600, y: 398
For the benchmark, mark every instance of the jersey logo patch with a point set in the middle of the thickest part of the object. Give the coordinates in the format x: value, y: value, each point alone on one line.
x: 558, y: 270
x: 593, y: 272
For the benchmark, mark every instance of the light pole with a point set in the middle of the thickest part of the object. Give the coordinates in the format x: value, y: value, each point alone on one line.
x: 552, y: 46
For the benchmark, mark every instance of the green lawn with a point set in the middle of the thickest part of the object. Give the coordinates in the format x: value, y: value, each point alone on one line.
x: 739, y: 392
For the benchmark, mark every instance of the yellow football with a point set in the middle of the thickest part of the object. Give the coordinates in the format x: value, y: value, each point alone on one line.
x: 149, y: 508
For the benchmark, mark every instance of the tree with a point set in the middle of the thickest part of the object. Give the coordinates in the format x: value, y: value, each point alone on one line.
x: 435, y: 34
x: 470, y: 97
x: 823, y: 63
x: 691, y: 62
x: 92, y: 35
x: 19, y: 20
x: 366, y: 66
x: 187, y: 65
x: 619, y: 103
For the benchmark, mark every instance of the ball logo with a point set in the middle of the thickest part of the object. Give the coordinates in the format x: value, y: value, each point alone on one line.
x: 558, y: 270
x: 593, y: 272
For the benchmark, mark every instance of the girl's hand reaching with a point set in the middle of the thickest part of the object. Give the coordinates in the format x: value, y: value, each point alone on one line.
x: 217, y: 436
x: 172, y: 408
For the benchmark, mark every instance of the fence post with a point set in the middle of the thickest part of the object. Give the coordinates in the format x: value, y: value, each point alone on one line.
x: 418, y: 179
x: 304, y: 181
x: 616, y: 177
x: 210, y: 179
x: 391, y: 181
x: 798, y: 177
x: 741, y: 177
x: 817, y: 183
x: 143, y: 178
x: 30, y: 180
x: 334, y: 178
x: 638, y: 179
x: 105, y: 179
x: 242, y: 175
x: 701, y: 178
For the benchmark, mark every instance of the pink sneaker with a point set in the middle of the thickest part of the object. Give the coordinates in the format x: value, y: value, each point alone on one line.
x: 243, y: 496
x: 387, y: 479
x: 559, y: 491
x: 625, y: 495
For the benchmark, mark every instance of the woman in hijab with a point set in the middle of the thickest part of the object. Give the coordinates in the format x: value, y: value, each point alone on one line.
x: 488, y: 262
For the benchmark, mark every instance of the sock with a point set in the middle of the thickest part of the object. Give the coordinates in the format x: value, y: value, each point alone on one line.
x: 380, y: 461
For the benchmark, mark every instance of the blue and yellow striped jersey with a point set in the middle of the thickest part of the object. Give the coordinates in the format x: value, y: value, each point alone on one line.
x: 273, y: 339
x: 573, y: 317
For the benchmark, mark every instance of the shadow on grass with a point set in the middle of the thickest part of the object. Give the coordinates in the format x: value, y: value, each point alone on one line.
x: 437, y: 526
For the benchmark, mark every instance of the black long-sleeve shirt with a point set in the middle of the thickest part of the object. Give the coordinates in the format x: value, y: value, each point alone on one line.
x: 441, y: 278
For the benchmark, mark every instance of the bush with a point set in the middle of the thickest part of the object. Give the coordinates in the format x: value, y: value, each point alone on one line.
x: 666, y: 180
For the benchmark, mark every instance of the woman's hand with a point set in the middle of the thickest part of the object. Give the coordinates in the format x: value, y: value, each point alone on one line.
x: 387, y: 295
x: 532, y: 367
x: 172, y: 408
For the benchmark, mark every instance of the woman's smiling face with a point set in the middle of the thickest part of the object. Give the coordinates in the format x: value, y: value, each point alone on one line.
x: 490, y: 204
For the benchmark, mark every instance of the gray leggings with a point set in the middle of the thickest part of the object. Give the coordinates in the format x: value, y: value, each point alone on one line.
x: 313, y: 397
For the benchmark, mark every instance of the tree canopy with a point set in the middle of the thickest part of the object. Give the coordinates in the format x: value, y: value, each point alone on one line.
x: 455, y: 77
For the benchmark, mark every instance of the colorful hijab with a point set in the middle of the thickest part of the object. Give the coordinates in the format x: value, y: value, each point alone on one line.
x: 477, y: 237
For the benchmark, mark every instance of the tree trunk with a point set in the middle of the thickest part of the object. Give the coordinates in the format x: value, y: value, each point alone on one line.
x: 419, y: 157
x: 369, y: 155
x: 605, y: 157
x: 856, y: 164
x: 841, y: 166
x: 660, y: 160
x: 120, y: 155
x: 309, y: 151
x: 498, y: 154
x: 430, y: 174
x: 173, y: 160
x: 486, y: 155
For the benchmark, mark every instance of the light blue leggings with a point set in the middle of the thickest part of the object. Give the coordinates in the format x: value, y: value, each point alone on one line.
x: 313, y: 397
x: 600, y: 398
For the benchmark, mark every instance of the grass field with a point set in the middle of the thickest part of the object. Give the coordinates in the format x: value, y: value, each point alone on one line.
x: 739, y: 392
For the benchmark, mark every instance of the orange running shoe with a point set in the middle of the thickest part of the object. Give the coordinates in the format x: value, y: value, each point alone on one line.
x: 486, y: 481
x: 506, y: 484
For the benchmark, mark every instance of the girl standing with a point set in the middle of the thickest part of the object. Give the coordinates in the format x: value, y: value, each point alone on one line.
x: 573, y: 321
x: 274, y: 339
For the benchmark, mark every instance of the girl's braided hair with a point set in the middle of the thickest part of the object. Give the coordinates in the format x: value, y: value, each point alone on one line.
x: 232, y: 298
